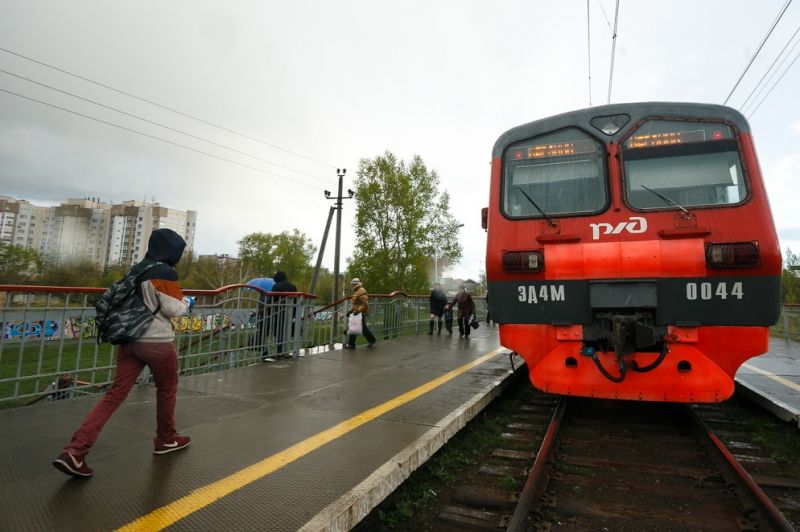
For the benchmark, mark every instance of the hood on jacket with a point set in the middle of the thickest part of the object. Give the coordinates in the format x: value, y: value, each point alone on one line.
x: 165, y: 245
x: 279, y: 276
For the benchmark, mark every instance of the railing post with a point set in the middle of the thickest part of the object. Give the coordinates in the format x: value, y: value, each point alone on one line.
x: 785, y: 315
x: 418, y: 317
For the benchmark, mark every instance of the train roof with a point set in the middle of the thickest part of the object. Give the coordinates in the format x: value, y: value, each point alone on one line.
x: 637, y: 111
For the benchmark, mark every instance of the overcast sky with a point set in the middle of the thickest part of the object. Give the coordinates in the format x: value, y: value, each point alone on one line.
x: 335, y: 82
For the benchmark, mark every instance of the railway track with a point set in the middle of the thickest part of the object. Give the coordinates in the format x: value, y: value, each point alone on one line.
x: 583, y: 464
x: 607, y: 465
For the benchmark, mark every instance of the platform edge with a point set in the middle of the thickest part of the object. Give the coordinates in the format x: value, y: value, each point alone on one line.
x: 349, y: 509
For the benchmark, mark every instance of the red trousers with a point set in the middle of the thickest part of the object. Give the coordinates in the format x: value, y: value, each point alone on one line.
x: 162, y: 360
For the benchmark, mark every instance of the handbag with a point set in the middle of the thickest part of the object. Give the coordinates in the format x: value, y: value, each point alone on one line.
x: 354, y: 324
x: 473, y: 322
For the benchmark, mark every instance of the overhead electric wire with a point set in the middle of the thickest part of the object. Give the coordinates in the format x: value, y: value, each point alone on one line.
x: 758, y: 89
x: 775, y: 23
x: 774, y: 85
x: 111, y: 108
x: 166, y: 108
x: 613, y: 49
x: 189, y: 148
x: 605, y: 15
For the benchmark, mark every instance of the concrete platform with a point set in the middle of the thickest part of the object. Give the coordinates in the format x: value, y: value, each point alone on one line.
x: 773, y: 379
x: 313, y: 443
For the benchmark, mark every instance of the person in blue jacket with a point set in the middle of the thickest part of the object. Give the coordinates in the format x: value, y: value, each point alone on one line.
x: 262, y: 321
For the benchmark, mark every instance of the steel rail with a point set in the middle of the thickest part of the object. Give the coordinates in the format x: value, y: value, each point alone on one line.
x: 519, y: 520
x: 762, y: 501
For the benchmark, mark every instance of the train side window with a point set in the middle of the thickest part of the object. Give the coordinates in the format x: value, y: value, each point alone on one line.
x: 690, y: 164
x: 561, y: 173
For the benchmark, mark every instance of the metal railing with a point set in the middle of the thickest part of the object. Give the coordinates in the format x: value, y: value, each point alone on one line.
x: 49, y: 348
x: 788, y: 326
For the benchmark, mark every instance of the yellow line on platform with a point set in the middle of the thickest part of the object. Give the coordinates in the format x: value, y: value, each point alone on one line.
x: 201, y: 497
x: 776, y: 378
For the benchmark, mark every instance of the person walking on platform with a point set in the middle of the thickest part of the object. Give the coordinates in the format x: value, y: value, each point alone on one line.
x: 282, y: 308
x: 448, y: 319
x: 466, y: 308
x: 488, y: 314
x: 359, y: 304
x: 162, y: 294
x: 438, y: 300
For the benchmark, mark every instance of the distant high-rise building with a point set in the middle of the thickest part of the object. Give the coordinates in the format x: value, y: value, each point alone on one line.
x: 22, y: 223
x: 132, y: 222
x: 87, y: 228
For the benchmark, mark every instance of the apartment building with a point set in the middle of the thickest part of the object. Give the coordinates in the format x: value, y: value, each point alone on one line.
x: 88, y: 228
x: 132, y: 222
x: 22, y: 223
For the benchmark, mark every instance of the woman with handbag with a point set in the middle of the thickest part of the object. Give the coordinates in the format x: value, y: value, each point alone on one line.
x: 466, y: 309
x: 359, y: 306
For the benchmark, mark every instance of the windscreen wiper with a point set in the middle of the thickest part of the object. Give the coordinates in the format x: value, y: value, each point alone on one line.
x: 549, y: 220
x: 667, y: 200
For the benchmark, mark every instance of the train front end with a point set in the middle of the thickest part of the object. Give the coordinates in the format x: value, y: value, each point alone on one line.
x: 631, y: 251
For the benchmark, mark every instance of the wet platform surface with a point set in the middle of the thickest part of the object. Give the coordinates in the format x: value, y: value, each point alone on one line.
x: 311, y: 442
x: 773, y: 379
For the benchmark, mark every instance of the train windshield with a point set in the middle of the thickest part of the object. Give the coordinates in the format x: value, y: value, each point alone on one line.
x: 560, y: 173
x: 689, y: 164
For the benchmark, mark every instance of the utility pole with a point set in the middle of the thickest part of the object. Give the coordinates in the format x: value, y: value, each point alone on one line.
x: 321, y: 250
x: 338, y: 206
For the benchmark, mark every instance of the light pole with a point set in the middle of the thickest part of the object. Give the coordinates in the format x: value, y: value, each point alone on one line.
x: 436, y: 260
x: 223, y: 258
x: 435, y: 266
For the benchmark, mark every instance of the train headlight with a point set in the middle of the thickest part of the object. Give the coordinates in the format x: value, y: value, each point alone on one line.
x: 523, y: 261
x: 732, y: 255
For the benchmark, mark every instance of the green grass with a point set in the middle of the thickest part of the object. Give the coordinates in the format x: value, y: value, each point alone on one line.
x: 24, y: 361
x: 48, y: 359
x: 779, y: 438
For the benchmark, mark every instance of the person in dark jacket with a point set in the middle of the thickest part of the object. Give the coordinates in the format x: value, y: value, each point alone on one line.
x: 262, y: 324
x: 283, y: 310
x: 155, y: 349
x: 438, y: 300
x: 466, y: 308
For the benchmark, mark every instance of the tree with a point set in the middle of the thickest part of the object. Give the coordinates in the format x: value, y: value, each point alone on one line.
x: 114, y: 273
x: 790, y: 278
x: 265, y: 253
x: 78, y: 272
x: 402, y: 221
x: 210, y: 273
x: 18, y: 264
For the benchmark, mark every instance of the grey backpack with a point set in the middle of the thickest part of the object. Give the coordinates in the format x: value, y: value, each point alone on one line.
x: 122, y: 315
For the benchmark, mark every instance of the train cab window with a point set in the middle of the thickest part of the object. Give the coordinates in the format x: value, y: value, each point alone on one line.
x: 561, y: 173
x: 668, y: 164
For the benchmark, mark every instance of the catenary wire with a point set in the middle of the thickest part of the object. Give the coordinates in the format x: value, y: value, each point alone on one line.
x: 189, y: 148
x: 774, y: 85
x: 613, y: 49
x: 605, y: 15
x: 775, y: 23
x: 771, y: 71
x: 166, y: 108
x: 111, y: 108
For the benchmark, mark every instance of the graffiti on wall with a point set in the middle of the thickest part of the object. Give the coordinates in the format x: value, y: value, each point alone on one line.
x: 13, y: 330
x: 85, y: 326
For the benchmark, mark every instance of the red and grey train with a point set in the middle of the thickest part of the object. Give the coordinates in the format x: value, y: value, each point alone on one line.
x: 631, y: 251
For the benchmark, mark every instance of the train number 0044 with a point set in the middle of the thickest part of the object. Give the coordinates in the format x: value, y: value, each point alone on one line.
x: 707, y: 291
